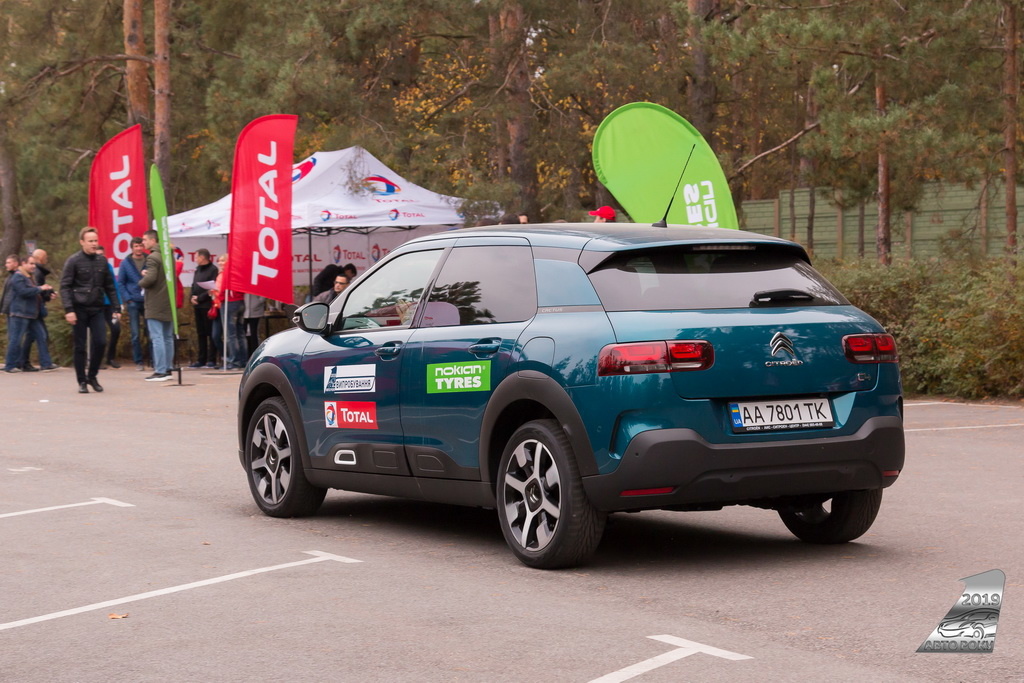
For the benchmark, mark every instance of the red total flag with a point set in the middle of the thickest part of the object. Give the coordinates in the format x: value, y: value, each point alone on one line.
x: 117, y: 193
x: 260, y: 240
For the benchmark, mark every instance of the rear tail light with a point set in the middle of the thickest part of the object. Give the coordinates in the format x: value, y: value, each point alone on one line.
x: 870, y: 348
x: 656, y: 356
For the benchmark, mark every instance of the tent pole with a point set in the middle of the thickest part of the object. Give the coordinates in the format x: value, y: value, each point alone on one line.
x: 309, y: 236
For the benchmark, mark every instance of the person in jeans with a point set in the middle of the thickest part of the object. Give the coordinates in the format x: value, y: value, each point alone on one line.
x: 202, y: 283
x: 41, y: 260
x: 159, y: 320
x: 26, y: 318
x: 132, y: 299
x: 11, y: 264
x: 234, y: 304
x: 86, y: 278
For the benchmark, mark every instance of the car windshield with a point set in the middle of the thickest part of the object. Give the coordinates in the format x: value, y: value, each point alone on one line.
x: 710, y: 277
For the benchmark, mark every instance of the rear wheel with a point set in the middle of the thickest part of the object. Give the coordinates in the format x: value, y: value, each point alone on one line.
x: 276, y: 478
x: 545, y: 515
x: 845, y: 517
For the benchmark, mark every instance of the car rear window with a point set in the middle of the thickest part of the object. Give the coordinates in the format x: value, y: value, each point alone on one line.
x: 710, y: 276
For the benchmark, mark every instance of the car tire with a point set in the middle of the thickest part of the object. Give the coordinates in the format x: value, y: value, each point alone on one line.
x: 273, y: 462
x: 851, y: 514
x: 545, y: 515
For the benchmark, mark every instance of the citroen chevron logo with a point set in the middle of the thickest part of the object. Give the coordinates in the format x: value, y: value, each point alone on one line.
x: 781, y: 342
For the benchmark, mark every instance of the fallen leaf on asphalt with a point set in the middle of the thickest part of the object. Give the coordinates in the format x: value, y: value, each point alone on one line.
x: 206, y: 543
x: 117, y: 616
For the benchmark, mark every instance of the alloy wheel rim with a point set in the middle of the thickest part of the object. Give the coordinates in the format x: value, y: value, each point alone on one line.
x: 271, y: 459
x: 533, y: 495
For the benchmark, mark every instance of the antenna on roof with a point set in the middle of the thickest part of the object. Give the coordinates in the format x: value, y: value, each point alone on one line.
x: 663, y: 223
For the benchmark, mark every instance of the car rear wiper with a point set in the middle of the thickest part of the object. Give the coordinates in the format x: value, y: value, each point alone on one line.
x: 770, y: 296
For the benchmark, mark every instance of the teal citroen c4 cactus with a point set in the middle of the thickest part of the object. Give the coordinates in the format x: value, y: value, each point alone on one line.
x: 559, y: 373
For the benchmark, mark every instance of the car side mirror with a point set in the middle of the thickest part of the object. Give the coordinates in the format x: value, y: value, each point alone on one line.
x: 312, y: 317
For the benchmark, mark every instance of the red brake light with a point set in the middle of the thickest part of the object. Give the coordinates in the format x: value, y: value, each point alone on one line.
x: 656, y: 356
x: 870, y: 348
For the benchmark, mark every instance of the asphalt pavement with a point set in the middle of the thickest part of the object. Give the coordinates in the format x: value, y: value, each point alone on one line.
x: 132, y: 551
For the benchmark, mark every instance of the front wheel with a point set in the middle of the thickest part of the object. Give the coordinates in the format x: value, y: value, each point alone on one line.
x: 276, y: 478
x: 850, y: 514
x: 545, y: 515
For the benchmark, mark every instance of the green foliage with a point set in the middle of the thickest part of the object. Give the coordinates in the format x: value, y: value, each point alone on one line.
x: 958, y: 323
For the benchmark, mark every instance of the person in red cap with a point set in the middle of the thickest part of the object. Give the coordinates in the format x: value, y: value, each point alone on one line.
x: 603, y: 214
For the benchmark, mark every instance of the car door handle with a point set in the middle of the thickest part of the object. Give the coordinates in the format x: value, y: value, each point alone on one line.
x: 389, y: 350
x: 485, y: 347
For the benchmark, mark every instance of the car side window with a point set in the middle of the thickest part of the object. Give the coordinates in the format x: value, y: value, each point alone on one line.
x: 390, y: 295
x: 480, y: 285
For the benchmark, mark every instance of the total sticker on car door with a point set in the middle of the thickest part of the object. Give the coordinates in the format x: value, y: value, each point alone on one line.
x: 350, y: 414
x: 443, y: 378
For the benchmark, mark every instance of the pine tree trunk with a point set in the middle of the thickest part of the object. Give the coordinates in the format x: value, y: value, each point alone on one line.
x: 701, y: 93
x: 162, y: 81
x: 10, y: 206
x: 136, y: 80
x: 519, y: 122
x: 1011, y: 95
x: 883, y: 233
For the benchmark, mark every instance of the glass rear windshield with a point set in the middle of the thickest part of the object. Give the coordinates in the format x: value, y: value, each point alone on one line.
x: 710, y: 276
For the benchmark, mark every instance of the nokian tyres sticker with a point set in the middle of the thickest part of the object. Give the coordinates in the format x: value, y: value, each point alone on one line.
x: 447, y: 378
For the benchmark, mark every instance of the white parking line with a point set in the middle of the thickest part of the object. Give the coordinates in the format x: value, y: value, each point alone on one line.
x: 94, y: 501
x: 685, y: 649
x: 24, y: 469
x: 318, y: 557
x: 943, y: 429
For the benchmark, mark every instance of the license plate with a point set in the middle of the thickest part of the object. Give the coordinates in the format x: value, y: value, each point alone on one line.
x: 771, y: 416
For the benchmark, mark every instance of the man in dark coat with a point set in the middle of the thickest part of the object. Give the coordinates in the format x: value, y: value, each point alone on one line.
x: 86, y: 278
x: 159, y: 319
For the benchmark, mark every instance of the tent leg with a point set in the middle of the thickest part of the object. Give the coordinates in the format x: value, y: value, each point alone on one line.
x: 309, y: 236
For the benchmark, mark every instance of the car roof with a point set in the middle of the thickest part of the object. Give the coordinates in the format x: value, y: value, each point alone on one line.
x: 612, y: 236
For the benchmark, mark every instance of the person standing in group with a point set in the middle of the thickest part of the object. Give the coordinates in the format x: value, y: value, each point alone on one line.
x: 202, y: 283
x: 234, y: 302
x: 86, y: 278
x: 41, y: 260
x: 132, y: 299
x: 109, y: 308
x: 340, y: 283
x: 349, y: 270
x: 253, y: 310
x: 159, y: 320
x: 11, y: 264
x: 26, y: 306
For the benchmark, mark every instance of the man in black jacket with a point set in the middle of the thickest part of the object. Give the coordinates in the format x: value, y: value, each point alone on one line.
x: 85, y: 280
x: 202, y: 283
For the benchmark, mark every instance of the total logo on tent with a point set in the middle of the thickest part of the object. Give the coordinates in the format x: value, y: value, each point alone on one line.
x: 300, y: 171
x: 380, y: 185
x: 393, y: 214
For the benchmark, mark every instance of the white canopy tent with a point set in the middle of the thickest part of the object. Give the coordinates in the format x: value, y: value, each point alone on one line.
x: 349, y: 196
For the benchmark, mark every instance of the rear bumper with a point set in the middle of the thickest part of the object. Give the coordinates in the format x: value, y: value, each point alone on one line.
x: 700, y: 472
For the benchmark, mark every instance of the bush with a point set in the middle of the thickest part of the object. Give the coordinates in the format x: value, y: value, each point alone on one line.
x: 958, y: 323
